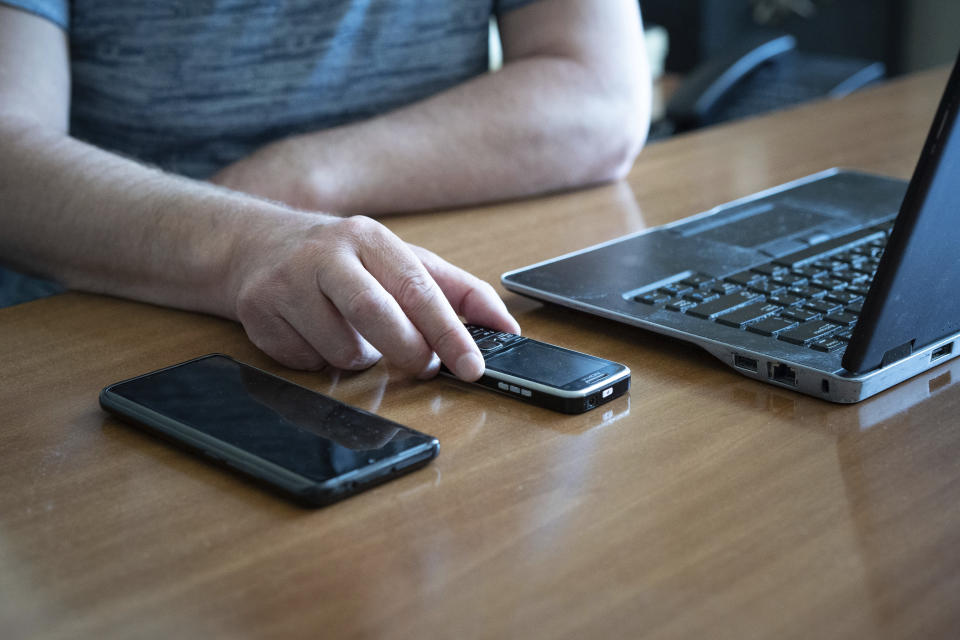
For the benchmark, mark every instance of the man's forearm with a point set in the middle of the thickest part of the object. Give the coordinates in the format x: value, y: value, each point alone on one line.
x: 537, y: 125
x: 570, y: 107
x: 98, y: 222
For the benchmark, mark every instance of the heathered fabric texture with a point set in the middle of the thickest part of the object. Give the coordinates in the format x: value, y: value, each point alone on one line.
x: 192, y: 85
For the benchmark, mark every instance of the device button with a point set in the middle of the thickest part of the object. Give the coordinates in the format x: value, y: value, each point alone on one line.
x: 488, y: 344
x: 514, y: 388
x: 526, y: 393
x: 478, y: 333
x: 503, y: 385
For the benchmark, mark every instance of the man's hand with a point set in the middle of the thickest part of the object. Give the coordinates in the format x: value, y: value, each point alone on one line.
x: 316, y: 290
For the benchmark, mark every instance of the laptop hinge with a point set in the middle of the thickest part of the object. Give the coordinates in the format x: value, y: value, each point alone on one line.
x: 897, y: 353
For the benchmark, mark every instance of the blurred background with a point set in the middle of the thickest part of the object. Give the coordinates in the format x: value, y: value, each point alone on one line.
x: 719, y: 60
x: 904, y: 35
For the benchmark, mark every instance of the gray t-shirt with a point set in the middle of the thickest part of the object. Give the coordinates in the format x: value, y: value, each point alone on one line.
x: 192, y: 85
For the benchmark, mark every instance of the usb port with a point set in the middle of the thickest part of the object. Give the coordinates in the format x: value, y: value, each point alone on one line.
x: 941, y: 352
x: 743, y: 362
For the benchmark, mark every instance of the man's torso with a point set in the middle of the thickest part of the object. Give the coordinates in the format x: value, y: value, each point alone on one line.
x: 193, y: 85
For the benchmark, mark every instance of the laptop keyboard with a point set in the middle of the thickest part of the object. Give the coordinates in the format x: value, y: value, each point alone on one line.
x: 810, y: 298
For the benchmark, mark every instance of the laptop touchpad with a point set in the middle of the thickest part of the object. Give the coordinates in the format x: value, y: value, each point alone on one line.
x: 772, y: 228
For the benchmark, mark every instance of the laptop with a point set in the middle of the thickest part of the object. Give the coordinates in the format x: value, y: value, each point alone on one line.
x: 838, y: 285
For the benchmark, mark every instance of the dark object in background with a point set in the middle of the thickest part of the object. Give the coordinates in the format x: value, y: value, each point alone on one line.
x: 761, y: 72
x: 701, y: 29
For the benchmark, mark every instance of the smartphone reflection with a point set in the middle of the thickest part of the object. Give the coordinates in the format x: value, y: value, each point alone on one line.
x: 300, y: 408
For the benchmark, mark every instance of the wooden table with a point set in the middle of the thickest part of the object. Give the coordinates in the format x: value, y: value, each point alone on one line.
x: 701, y: 505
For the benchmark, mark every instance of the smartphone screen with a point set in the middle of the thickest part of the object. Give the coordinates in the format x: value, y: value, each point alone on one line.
x: 551, y: 365
x: 244, y: 416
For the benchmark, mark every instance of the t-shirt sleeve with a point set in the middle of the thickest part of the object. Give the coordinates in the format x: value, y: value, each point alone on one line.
x: 56, y: 11
x: 506, y: 6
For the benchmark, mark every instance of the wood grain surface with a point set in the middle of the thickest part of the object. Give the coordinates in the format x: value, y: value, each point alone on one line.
x: 701, y: 505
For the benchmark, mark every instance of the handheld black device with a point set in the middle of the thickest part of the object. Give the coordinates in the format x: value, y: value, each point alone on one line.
x: 309, y: 446
x: 545, y: 374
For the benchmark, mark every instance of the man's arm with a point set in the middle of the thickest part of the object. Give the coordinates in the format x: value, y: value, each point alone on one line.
x: 570, y: 107
x: 310, y: 289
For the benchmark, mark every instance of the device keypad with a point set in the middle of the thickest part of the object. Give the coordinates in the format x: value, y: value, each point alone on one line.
x: 490, y: 341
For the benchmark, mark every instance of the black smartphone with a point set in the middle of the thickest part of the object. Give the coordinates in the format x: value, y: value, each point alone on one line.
x: 310, y: 447
x: 545, y: 374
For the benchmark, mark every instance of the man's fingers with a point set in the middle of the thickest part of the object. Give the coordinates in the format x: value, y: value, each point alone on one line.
x: 392, y: 300
x: 274, y: 336
x: 372, y: 311
x: 474, y: 299
x: 319, y: 323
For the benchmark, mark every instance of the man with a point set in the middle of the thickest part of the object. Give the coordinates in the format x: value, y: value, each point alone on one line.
x: 297, y: 107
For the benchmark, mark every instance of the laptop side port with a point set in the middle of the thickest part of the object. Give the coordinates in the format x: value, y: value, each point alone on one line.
x: 745, y: 363
x: 781, y: 373
x: 941, y: 352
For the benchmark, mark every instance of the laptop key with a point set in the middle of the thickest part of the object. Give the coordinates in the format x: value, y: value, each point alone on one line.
x: 828, y: 283
x: 675, y: 289
x: 698, y: 280
x: 823, y: 306
x: 769, y: 269
x: 842, y: 297
x: 790, y: 279
x: 807, y: 292
x: 868, y: 267
x: 702, y: 296
x: 801, y: 315
x: 843, y: 318
x: 828, y: 344
x: 811, y: 271
x: 653, y: 298
x: 825, y: 265
x: 767, y: 287
x: 744, y: 277
x: 785, y: 299
x: 724, y: 304
x: 850, y: 277
x: 808, y: 332
x: 724, y: 288
x: 739, y: 318
x: 772, y: 326
x: 855, y: 307
x: 680, y: 304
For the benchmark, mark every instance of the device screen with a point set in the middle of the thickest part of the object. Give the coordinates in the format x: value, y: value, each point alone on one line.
x: 548, y: 364
x: 308, y: 433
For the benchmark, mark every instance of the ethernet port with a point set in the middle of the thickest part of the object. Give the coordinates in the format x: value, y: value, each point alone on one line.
x: 781, y: 373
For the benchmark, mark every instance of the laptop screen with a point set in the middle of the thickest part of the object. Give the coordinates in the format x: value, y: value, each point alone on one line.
x: 914, y: 299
